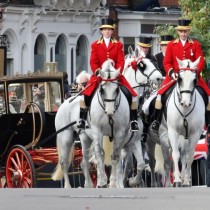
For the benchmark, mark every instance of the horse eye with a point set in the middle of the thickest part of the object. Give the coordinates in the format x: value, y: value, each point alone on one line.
x: 102, y: 90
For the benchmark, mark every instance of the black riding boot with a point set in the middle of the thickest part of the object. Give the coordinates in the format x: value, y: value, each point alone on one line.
x: 156, y: 123
x: 207, y: 118
x: 83, y: 118
x: 134, y: 122
x: 145, y: 127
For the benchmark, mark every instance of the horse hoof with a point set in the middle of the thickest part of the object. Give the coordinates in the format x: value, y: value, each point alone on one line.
x: 186, y: 185
x: 177, y: 184
x: 103, y: 186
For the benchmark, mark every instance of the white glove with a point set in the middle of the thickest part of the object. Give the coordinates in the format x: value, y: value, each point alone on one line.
x: 174, y: 76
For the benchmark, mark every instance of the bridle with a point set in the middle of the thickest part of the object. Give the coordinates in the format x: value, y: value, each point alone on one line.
x: 108, y: 100
x: 140, y: 60
x: 180, y: 92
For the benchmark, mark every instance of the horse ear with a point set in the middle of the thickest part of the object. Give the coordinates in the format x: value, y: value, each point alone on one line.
x: 195, y: 63
x: 179, y: 61
x: 137, y: 52
x: 102, y: 74
x: 130, y: 50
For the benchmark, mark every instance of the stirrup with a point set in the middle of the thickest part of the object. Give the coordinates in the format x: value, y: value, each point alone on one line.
x: 155, y: 126
x: 81, y: 124
x: 134, y: 126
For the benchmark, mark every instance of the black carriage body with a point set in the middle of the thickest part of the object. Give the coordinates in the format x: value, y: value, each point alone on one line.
x: 28, y: 106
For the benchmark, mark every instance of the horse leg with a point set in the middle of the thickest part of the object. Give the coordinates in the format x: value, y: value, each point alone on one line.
x: 183, y: 151
x: 99, y: 153
x: 189, y: 160
x: 150, y: 147
x: 137, y: 151
x: 115, y: 162
x: 167, y: 166
x: 173, y: 138
x: 124, y: 167
x: 86, y: 143
x: 65, y: 150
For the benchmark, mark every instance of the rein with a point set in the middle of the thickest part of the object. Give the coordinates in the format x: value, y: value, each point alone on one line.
x: 189, y: 69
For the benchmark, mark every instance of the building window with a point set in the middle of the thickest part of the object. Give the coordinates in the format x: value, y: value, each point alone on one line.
x: 39, y: 53
x: 60, y: 53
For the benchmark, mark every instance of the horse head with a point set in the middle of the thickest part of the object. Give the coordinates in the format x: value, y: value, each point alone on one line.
x: 109, y: 87
x: 146, y: 71
x: 187, y: 80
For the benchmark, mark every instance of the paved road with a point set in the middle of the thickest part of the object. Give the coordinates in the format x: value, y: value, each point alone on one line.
x: 195, y: 198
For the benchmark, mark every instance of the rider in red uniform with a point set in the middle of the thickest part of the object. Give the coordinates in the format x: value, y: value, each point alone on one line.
x: 182, y: 48
x: 106, y: 48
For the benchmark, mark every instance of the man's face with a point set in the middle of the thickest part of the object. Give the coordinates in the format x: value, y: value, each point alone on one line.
x: 183, y: 34
x: 163, y: 47
x: 145, y: 50
x: 107, y: 32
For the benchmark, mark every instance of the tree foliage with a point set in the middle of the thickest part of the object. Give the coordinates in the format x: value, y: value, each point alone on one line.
x: 199, y: 13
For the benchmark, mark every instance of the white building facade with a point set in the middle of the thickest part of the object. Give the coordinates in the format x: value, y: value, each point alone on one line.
x: 51, y: 31
x: 40, y: 32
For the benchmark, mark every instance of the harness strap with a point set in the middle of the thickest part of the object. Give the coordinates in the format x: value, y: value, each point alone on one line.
x: 111, y: 122
x: 55, y: 133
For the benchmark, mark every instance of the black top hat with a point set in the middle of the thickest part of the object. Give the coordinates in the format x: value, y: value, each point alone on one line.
x: 107, y: 23
x: 165, y: 39
x: 145, y: 42
x: 183, y: 24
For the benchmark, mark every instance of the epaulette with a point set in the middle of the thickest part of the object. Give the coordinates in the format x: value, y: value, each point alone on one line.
x: 190, y: 41
x: 114, y: 40
x: 100, y: 41
x: 176, y: 40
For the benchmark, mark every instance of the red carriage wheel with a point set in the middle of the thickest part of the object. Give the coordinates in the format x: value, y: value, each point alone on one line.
x: 20, y: 171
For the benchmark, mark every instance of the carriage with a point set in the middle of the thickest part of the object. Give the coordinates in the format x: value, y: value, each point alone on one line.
x: 28, y: 105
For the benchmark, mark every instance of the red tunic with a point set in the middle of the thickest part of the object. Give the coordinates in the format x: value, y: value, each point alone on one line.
x: 191, y: 50
x: 99, y: 54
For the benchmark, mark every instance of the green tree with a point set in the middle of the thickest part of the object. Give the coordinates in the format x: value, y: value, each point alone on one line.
x: 199, y: 13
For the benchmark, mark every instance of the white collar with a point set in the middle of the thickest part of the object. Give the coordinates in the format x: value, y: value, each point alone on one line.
x: 183, y: 42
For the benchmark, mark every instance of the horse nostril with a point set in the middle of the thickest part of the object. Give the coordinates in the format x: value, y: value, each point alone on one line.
x: 182, y: 104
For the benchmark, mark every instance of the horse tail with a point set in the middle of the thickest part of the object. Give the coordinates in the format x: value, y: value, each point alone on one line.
x: 159, y: 166
x: 108, y: 150
x: 58, y: 173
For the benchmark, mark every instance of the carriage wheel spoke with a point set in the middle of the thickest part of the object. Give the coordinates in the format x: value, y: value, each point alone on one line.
x: 18, y: 159
x: 14, y: 162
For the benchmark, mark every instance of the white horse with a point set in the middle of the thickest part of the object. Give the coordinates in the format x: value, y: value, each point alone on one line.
x: 69, y: 112
x: 140, y: 81
x: 185, y: 120
x: 141, y: 77
x: 110, y: 103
